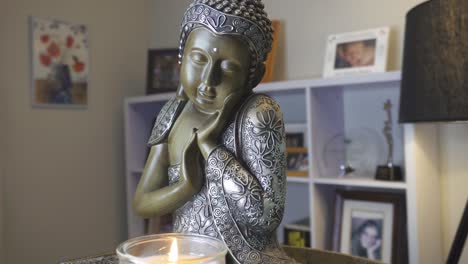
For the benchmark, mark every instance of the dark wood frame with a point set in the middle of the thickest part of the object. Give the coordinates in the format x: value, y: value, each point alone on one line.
x: 152, y: 53
x: 399, y: 238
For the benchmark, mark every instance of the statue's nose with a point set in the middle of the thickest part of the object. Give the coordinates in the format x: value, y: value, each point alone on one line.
x: 207, y: 90
x: 212, y: 75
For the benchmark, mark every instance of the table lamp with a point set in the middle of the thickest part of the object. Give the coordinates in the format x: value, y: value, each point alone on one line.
x: 435, y: 68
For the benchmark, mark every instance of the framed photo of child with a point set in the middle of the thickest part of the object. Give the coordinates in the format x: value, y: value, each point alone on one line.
x: 357, y: 52
x: 371, y: 225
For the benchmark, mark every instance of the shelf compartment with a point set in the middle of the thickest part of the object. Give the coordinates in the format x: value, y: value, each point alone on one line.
x: 347, y: 127
x: 365, y: 183
x: 292, y: 103
x: 297, y: 204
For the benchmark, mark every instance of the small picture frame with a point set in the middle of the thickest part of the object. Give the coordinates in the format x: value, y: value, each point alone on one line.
x: 296, y: 135
x: 371, y: 225
x: 297, y: 161
x: 163, y: 71
x: 294, y: 140
x: 357, y: 52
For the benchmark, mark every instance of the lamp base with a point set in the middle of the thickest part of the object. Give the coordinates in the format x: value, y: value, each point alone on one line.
x: 389, y: 173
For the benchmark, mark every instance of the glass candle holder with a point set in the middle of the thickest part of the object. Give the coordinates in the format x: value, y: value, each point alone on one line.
x: 172, y: 248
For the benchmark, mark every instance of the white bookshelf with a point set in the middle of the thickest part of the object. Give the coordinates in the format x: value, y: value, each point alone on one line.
x: 323, y: 108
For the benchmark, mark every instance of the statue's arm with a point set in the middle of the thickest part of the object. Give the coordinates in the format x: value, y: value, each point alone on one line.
x: 255, y: 209
x: 153, y: 196
x: 254, y: 181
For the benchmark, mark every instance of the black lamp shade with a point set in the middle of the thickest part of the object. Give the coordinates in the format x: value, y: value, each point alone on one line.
x: 435, y: 65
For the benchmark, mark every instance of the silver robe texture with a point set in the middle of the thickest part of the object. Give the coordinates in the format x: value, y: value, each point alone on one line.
x: 242, y: 199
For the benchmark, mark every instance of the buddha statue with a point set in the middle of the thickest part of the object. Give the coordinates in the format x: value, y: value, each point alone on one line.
x: 217, y: 159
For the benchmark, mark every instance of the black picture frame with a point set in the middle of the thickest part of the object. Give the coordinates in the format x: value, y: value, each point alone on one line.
x: 399, y: 237
x: 163, y: 72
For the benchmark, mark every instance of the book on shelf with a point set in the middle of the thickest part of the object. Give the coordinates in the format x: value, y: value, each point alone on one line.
x: 297, y: 233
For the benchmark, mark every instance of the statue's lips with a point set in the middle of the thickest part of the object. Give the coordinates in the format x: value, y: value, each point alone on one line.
x: 205, y: 97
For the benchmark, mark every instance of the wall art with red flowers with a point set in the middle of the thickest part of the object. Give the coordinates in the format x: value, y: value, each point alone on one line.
x: 60, y: 63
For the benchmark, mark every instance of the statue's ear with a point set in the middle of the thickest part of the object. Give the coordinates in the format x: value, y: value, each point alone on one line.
x: 180, y: 94
x: 260, y: 71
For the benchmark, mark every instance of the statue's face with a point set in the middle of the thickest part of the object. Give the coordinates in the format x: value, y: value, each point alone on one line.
x: 213, y: 68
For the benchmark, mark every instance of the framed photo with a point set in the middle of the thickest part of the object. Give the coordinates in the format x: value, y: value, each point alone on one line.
x: 297, y: 162
x: 357, y: 52
x: 296, y: 135
x: 294, y: 140
x: 371, y: 225
x: 163, y: 71
x: 60, y: 63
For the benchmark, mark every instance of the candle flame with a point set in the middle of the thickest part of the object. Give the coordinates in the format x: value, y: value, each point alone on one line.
x: 174, y: 253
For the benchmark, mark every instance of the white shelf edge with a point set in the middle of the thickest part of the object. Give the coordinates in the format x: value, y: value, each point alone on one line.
x: 282, y: 86
x: 289, y: 85
x: 149, y: 98
x: 361, y: 183
x: 293, y: 127
x: 357, y: 79
x: 295, y: 179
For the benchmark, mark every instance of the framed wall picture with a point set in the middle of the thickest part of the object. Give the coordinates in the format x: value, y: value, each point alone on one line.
x: 60, y: 63
x: 371, y: 225
x: 357, y: 52
x: 163, y: 71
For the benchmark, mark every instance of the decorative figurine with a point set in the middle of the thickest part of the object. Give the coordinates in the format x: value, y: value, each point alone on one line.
x: 389, y: 172
x: 217, y: 156
x: 346, y: 168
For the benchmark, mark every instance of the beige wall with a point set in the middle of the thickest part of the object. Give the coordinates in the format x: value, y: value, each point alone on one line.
x: 64, y: 168
x: 165, y: 23
x: 306, y: 27
x: 454, y: 144
x: 301, y: 53
x: 2, y: 138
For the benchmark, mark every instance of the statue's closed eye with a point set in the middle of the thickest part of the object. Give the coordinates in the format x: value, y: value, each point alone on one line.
x: 198, y: 58
x: 229, y: 66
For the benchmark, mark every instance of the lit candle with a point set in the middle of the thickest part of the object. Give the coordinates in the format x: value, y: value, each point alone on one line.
x: 184, y: 249
x: 174, y: 253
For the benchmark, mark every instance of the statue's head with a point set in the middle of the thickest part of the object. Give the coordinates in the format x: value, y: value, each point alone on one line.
x: 223, y: 49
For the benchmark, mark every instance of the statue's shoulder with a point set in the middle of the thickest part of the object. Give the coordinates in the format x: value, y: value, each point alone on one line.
x: 165, y: 120
x: 260, y: 128
x: 261, y: 108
